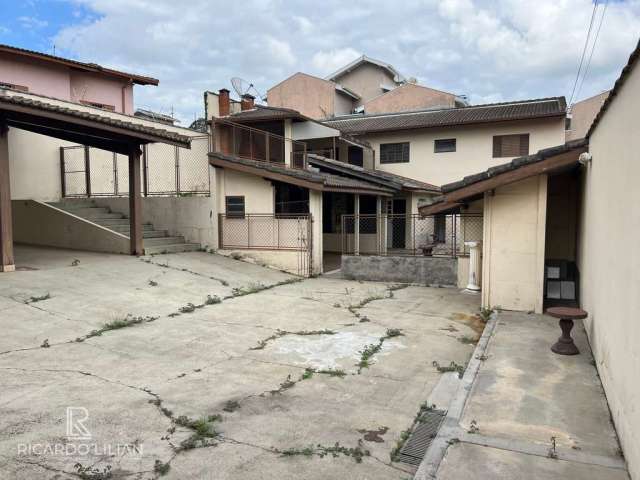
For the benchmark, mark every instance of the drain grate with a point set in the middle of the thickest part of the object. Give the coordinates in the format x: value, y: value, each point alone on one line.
x: 414, y: 449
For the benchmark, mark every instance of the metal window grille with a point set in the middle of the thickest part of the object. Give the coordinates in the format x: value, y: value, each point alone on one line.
x: 394, y: 152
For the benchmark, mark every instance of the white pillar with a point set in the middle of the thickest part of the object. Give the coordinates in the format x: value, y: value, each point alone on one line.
x: 380, y: 242
x: 474, y: 266
x: 356, y: 224
x: 288, y: 145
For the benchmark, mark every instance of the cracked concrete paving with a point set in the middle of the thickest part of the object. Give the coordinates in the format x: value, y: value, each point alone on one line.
x: 197, y: 363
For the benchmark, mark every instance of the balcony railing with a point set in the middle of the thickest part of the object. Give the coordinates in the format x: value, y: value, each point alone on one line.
x: 241, y: 141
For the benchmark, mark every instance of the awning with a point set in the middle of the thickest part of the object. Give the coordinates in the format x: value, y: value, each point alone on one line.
x: 545, y: 161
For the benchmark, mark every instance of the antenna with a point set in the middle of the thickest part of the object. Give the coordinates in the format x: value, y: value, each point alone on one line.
x: 244, y: 87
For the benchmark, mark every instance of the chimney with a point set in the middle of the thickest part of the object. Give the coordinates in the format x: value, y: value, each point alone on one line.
x: 224, y: 104
x: 246, y: 102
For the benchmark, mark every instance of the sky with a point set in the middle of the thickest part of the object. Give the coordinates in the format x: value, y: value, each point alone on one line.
x: 491, y: 51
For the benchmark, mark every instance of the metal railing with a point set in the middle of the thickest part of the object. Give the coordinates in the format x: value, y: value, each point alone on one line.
x: 236, y: 140
x: 279, y: 232
x: 166, y: 170
x: 410, y: 235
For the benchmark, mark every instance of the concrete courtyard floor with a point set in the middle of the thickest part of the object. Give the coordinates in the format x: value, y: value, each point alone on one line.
x: 200, y: 366
x: 527, y: 413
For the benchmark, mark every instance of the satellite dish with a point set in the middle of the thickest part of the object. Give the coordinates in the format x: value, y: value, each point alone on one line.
x: 244, y: 87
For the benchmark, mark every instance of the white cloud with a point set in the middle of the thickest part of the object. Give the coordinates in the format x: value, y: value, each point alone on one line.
x: 329, y: 61
x: 31, y: 23
x: 487, y: 49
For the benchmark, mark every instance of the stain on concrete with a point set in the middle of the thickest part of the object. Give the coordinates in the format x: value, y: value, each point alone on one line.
x: 374, y: 435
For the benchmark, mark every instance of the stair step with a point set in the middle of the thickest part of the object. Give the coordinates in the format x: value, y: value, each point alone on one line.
x: 111, y: 221
x: 84, y: 210
x: 125, y: 227
x: 73, y: 204
x: 155, y: 241
x: 181, y: 247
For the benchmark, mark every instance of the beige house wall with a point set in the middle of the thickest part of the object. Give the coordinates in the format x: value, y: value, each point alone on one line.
x: 365, y: 80
x: 409, y: 97
x: 609, y: 262
x: 474, y: 148
x: 582, y: 115
x: 513, y: 245
x: 311, y: 96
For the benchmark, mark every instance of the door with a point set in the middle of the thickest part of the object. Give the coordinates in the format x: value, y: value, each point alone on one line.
x: 355, y: 156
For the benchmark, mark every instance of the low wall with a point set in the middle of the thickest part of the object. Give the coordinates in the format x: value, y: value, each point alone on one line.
x: 285, y: 260
x: 38, y: 223
x: 421, y: 270
x: 192, y: 217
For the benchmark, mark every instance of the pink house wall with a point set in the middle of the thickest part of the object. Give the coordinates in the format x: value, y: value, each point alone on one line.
x: 44, y: 78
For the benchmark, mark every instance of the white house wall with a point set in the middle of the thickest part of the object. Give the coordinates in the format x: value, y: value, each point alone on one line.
x: 609, y: 262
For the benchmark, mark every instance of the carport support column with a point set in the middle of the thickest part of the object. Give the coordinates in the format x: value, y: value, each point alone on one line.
x: 356, y: 224
x: 7, y: 263
x: 135, y: 202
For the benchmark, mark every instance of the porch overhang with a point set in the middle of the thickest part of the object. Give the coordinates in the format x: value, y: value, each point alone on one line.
x: 303, y: 178
x: 76, y: 123
x: 545, y: 161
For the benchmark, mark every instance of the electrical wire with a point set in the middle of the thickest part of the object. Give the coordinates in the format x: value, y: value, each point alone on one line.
x: 584, y: 51
x: 593, y: 47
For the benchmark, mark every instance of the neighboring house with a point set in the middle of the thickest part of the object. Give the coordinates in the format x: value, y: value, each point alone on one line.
x: 364, y: 86
x: 65, y: 79
x: 581, y: 115
x: 155, y: 116
x: 560, y: 228
x: 441, y: 145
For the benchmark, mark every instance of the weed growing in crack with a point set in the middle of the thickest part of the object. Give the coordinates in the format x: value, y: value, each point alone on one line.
x: 467, y: 340
x: 189, y: 308
x: 153, y: 283
x: 203, y: 431
x: 212, y: 300
x: 117, y: 324
x: 281, y: 333
x: 38, y: 298
x: 247, y: 289
x: 473, y: 427
x: 370, y: 350
x: 161, y: 468
x: 75, y: 262
x: 45, y: 344
x: 286, y: 385
x: 308, y: 373
x: 452, y: 367
x: 357, y: 453
x: 552, y: 453
x: 332, y: 372
x: 231, y: 406
x: 405, y: 434
x: 90, y: 473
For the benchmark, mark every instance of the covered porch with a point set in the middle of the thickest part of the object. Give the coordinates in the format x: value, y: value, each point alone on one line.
x: 79, y: 124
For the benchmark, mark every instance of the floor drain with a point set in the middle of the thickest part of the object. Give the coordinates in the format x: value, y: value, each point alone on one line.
x: 412, y: 452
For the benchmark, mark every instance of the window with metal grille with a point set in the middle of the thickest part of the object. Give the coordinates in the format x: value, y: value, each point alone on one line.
x: 511, y: 145
x: 234, y: 206
x: 444, y: 145
x: 394, y: 152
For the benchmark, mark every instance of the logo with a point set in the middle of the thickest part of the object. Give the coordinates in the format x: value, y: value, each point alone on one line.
x: 76, y: 429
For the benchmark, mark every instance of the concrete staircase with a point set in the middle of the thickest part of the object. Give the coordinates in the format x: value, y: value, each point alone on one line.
x: 155, y: 241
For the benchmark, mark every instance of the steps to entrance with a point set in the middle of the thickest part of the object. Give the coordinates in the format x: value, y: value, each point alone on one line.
x: 155, y: 241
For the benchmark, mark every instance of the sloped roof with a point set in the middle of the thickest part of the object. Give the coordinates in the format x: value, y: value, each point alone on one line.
x: 547, y: 160
x: 626, y: 71
x: 89, y: 67
x: 308, y: 178
x: 397, y: 76
x: 387, y: 179
x: 12, y: 101
x: 264, y: 113
x: 474, y: 114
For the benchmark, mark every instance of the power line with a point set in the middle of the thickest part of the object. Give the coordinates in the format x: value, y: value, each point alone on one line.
x: 584, y: 51
x: 593, y: 47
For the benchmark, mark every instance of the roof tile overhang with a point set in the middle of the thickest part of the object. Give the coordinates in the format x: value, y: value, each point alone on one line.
x: 78, y: 123
x: 310, y: 179
x: 386, y: 179
x: 88, y: 67
x: 545, y: 161
x: 554, y: 107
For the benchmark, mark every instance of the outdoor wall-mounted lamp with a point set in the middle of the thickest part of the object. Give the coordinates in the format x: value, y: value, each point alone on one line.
x: 585, y: 158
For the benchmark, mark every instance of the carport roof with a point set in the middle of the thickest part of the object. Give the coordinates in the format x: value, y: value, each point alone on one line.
x: 547, y: 160
x: 79, y: 123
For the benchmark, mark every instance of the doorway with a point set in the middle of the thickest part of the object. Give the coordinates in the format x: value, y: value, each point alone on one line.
x: 397, y: 230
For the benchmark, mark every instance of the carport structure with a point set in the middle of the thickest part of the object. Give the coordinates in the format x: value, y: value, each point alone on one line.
x: 88, y: 126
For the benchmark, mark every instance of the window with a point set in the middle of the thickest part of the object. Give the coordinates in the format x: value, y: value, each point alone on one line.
x: 13, y: 86
x: 444, y: 145
x: 104, y: 106
x: 394, y: 152
x: 234, y: 206
x: 511, y: 145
